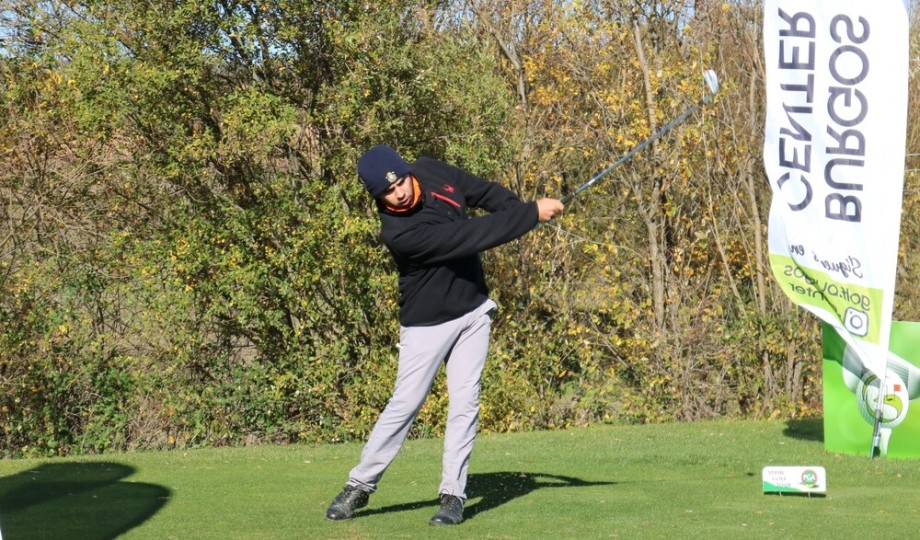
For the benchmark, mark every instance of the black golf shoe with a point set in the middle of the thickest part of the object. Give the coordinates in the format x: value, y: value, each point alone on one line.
x: 451, y: 511
x: 345, y: 503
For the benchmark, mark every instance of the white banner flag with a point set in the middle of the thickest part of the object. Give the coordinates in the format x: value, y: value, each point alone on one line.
x: 836, y: 87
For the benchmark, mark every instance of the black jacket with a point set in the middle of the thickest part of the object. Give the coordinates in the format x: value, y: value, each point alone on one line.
x: 436, y: 246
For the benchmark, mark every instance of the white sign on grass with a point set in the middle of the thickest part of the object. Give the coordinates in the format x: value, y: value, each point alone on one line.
x: 795, y: 479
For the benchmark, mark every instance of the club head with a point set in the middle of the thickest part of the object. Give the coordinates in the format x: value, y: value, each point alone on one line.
x: 712, y: 81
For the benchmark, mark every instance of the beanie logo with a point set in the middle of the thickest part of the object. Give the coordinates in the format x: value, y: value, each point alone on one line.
x: 391, y: 177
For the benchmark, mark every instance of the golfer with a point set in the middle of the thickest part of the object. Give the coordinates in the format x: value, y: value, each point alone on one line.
x: 445, y: 311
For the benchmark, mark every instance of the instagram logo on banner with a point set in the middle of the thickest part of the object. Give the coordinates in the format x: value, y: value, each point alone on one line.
x: 856, y: 322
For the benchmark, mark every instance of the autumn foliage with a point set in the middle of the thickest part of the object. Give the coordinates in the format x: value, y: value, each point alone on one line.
x: 187, y: 257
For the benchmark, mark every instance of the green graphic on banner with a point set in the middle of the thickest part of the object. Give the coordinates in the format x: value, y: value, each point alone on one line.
x: 851, y: 394
x: 857, y: 308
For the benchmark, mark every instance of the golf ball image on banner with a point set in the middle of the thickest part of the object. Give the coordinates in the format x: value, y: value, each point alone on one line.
x: 851, y: 395
x: 894, y: 403
x: 866, y: 385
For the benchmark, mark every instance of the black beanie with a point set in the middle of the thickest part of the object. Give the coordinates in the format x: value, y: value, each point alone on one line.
x: 379, y: 167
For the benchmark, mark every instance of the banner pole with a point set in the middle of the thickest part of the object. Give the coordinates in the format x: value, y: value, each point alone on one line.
x: 876, y: 435
x: 879, y: 402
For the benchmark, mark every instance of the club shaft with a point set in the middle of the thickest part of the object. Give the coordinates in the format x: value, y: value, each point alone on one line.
x: 625, y: 157
x: 713, y: 84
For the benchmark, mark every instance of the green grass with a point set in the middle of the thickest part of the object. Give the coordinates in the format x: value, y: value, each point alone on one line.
x: 700, y: 480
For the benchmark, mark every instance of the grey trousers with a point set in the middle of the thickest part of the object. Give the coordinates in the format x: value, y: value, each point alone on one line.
x: 463, y: 344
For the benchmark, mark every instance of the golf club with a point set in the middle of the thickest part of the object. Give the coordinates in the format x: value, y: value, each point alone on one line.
x: 712, y: 82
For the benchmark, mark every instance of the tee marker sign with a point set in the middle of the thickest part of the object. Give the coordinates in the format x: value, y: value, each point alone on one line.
x: 782, y: 479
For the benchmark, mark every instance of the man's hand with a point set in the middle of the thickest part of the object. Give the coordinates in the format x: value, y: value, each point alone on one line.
x: 549, y: 208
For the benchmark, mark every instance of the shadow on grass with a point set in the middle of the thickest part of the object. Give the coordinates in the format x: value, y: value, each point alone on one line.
x: 76, y: 500
x: 805, y: 429
x: 495, y: 489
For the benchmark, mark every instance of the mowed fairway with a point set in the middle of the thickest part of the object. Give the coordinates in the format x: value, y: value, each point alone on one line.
x: 699, y: 480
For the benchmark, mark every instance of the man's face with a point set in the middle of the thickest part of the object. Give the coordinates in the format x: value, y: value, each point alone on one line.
x: 401, y: 193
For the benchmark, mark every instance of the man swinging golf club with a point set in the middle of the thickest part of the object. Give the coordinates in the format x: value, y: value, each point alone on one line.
x: 445, y: 312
